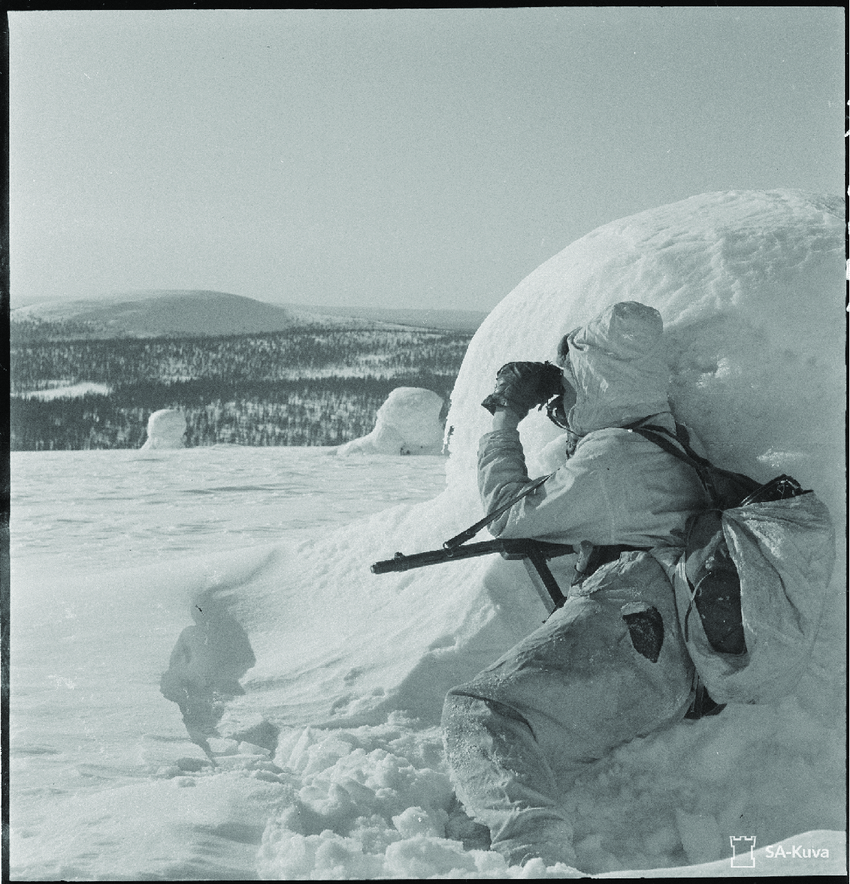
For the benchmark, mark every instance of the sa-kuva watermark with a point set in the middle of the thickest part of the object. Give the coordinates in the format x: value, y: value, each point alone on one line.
x: 796, y: 851
x: 743, y: 852
x: 743, y: 856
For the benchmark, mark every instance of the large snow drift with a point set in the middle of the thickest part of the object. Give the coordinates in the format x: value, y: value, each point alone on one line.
x: 166, y: 429
x: 407, y: 423
x: 351, y: 667
x: 750, y: 287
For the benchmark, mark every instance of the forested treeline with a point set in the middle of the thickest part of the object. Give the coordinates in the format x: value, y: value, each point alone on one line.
x: 274, y: 356
x: 300, y: 387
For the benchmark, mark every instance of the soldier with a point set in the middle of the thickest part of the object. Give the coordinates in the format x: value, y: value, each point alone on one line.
x: 610, y: 664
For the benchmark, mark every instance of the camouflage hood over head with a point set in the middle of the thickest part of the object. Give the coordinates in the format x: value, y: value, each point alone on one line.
x: 619, y: 367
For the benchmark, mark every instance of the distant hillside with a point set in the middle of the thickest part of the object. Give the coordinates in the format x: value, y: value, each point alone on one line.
x: 451, y: 320
x: 153, y: 314
x: 193, y: 313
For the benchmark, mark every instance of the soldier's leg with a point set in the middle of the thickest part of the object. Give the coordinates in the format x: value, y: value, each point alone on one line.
x: 607, y: 667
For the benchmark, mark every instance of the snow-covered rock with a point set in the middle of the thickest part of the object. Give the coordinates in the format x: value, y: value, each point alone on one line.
x: 166, y: 429
x: 407, y: 423
x: 750, y: 285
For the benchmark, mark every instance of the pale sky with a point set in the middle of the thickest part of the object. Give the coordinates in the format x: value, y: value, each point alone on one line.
x: 410, y: 158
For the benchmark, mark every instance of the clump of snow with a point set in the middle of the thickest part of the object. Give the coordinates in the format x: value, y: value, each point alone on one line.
x: 166, y: 429
x: 370, y: 802
x: 407, y: 423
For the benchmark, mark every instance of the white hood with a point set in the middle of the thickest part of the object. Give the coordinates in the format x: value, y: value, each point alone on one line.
x: 619, y: 367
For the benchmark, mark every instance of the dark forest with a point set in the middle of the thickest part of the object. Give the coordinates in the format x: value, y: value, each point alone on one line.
x: 304, y: 386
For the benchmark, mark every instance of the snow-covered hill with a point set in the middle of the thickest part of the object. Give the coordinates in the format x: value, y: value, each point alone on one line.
x: 196, y: 313
x: 456, y: 320
x: 160, y: 313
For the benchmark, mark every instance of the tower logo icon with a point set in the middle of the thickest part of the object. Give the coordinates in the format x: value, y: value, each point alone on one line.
x: 742, y: 851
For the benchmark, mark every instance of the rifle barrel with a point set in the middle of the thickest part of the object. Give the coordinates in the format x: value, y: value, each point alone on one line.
x: 510, y: 548
x: 401, y: 562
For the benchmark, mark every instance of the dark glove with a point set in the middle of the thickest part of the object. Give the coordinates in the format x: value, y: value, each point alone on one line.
x: 522, y: 385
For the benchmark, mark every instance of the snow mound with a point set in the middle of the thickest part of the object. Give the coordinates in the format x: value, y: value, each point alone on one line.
x: 407, y: 423
x: 166, y: 429
x: 750, y: 286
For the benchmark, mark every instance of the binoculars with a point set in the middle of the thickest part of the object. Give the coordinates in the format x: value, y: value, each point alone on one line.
x: 526, y: 385
x: 552, y: 392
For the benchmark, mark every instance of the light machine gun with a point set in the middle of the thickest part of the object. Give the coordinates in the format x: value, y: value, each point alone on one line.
x: 534, y: 554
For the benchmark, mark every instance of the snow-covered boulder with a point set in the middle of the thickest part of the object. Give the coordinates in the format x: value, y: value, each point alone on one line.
x: 166, y: 429
x: 407, y: 423
x: 750, y: 285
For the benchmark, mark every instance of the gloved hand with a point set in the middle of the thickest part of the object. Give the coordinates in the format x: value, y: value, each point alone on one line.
x: 522, y: 385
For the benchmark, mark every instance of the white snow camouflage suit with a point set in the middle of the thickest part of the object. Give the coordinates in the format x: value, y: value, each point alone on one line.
x: 578, y: 686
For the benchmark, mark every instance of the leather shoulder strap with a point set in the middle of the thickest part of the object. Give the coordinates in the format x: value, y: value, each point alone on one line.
x: 684, y: 453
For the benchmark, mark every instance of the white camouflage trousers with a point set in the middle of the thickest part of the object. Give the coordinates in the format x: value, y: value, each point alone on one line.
x: 608, y: 666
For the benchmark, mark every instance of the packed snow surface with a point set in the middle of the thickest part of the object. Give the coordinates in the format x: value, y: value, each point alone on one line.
x: 166, y: 429
x: 329, y: 765
x: 407, y: 423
